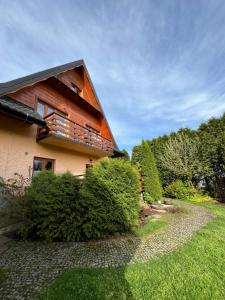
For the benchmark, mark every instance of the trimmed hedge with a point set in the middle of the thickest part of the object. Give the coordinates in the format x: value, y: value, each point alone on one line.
x: 143, y: 157
x: 54, y: 211
x: 110, y: 195
x: 180, y: 190
x: 60, y: 209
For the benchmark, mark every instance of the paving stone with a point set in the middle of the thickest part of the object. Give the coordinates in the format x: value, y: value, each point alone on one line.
x: 158, y: 211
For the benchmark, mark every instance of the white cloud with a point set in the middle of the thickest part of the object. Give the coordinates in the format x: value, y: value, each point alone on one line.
x: 156, y: 65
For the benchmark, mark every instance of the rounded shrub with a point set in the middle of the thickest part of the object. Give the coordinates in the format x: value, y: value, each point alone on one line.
x: 54, y: 211
x: 110, y: 196
x: 180, y: 190
x: 201, y: 198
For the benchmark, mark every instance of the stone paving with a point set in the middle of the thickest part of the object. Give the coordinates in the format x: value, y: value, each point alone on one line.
x: 31, y: 266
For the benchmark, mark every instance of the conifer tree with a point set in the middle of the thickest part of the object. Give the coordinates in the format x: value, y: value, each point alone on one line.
x: 143, y: 157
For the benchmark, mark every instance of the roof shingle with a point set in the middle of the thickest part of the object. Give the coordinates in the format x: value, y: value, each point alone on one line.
x: 14, y: 85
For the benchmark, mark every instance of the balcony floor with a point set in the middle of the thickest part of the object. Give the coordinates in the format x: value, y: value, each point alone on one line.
x: 67, y: 143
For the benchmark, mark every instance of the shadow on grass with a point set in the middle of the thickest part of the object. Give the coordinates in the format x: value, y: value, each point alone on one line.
x: 93, y: 282
x: 85, y: 284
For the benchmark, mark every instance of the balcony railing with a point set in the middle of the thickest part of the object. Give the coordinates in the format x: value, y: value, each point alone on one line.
x: 64, y: 127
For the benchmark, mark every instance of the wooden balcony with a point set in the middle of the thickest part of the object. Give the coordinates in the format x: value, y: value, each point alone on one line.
x: 63, y: 132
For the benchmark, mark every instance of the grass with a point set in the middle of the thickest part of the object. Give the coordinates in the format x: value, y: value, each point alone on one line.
x: 154, y: 225
x: 150, y: 227
x: 196, y: 271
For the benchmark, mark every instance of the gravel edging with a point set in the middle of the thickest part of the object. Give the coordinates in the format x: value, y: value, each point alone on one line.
x: 31, y: 266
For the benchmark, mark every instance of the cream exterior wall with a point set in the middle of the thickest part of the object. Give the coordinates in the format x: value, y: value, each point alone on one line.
x: 18, y: 147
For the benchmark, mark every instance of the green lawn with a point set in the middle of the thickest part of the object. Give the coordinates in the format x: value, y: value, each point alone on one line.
x: 194, y: 272
x: 150, y: 227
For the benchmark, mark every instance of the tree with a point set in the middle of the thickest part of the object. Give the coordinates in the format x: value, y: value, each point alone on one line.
x: 143, y: 158
x: 212, y: 154
x: 192, y: 155
x: 180, y: 156
x: 126, y: 156
x: 157, y: 146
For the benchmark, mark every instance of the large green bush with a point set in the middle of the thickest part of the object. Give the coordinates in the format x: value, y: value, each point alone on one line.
x: 110, y: 196
x: 59, y: 209
x: 54, y: 211
x: 180, y: 190
x: 143, y: 157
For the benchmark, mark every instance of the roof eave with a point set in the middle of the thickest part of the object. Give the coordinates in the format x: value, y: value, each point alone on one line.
x: 21, y: 115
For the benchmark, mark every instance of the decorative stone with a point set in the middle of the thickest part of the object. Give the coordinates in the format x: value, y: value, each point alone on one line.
x: 168, y: 201
x: 168, y: 207
x: 145, y: 212
x: 156, y: 216
x: 158, y: 211
x: 155, y: 206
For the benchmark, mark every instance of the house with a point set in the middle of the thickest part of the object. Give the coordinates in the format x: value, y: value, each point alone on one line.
x: 52, y: 120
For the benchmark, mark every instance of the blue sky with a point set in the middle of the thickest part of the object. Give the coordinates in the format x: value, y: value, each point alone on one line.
x: 156, y: 65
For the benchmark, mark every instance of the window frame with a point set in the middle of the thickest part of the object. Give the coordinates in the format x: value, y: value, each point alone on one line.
x: 41, y: 102
x: 46, y: 106
x: 44, y: 159
x: 74, y: 87
x: 89, y: 166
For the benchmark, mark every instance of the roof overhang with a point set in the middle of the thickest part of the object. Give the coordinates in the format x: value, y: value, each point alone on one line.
x: 63, y: 88
x: 117, y: 153
x: 20, y: 111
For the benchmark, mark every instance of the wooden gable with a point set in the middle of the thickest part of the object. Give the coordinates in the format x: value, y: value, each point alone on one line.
x: 57, y: 91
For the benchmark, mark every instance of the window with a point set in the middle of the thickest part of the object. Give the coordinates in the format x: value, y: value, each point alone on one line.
x: 75, y: 88
x: 42, y: 164
x: 89, y: 166
x: 50, y: 110
x: 44, y: 109
x: 41, y: 108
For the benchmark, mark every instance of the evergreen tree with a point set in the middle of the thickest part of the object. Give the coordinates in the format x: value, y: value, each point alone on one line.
x: 143, y: 157
x: 126, y: 156
x: 212, y: 154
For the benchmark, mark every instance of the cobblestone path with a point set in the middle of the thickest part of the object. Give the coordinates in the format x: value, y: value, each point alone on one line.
x: 32, y: 266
